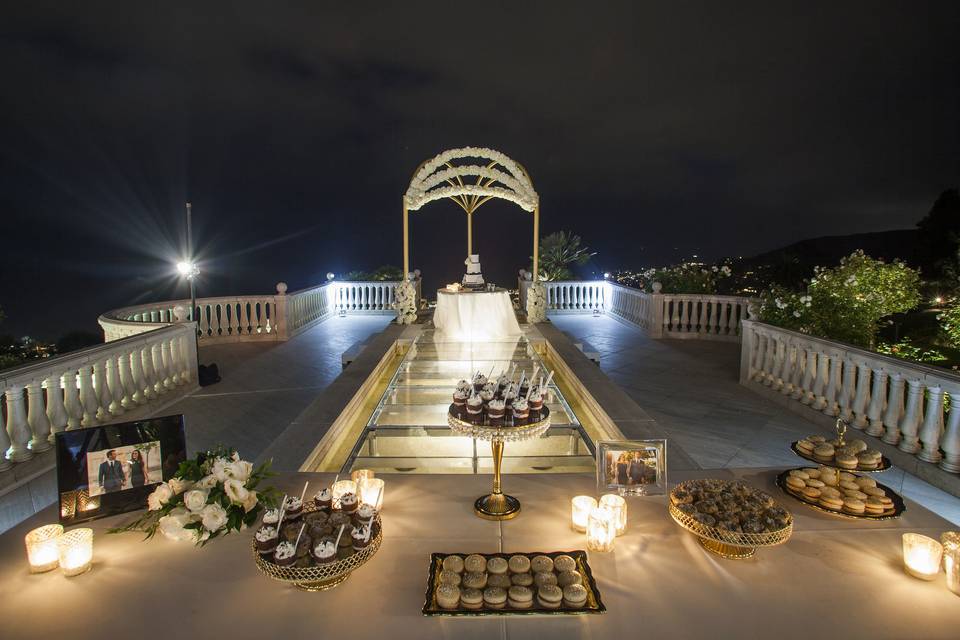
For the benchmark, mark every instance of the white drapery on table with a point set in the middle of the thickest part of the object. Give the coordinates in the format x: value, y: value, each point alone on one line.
x: 475, y: 316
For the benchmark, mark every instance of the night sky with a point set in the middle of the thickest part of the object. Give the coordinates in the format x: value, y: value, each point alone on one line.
x: 654, y: 132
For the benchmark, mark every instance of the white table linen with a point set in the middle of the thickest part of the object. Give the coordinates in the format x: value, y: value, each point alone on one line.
x: 475, y: 316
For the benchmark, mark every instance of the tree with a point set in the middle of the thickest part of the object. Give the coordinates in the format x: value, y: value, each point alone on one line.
x: 940, y: 231
x: 558, y: 252
x: 384, y: 273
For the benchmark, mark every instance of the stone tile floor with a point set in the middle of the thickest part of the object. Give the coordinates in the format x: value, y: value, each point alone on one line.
x: 691, y: 388
x: 265, y: 386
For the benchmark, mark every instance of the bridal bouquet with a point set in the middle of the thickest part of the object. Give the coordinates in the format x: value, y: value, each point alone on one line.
x: 536, y: 303
x: 209, y: 496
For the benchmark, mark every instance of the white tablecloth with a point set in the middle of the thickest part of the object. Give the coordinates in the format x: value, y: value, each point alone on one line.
x: 475, y: 316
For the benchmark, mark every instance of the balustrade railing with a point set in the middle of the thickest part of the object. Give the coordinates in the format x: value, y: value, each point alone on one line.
x: 577, y: 297
x: 703, y: 316
x: 900, y: 402
x: 365, y: 297
x: 127, y: 378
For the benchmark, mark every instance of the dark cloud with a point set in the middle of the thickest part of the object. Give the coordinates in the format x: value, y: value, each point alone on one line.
x: 651, y: 129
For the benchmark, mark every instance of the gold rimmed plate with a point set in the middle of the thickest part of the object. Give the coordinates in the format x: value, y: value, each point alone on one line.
x: 883, y: 466
x: 891, y: 514
x: 594, y: 604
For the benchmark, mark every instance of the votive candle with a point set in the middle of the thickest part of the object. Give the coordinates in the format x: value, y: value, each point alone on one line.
x: 362, y: 475
x: 921, y: 556
x: 619, y: 507
x: 76, y: 551
x: 601, y: 529
x: 951, y: 559
x: 42, y: 552
x: 372, y: 493
x: 341, y: 487
x: 580, y: 511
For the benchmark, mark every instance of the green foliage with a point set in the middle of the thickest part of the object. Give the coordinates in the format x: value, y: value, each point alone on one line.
x: 846, y: 302
x: 940, y: 233
x: 384, y: 273
x: 950, y: 323
x: 558, y: 252
x: 909, y: 351
x: 688, y: 277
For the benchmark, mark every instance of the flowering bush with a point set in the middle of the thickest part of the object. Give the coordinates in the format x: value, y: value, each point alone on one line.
x: 688, y: 277
x: 950, y: 323
x: 846, y: 302
x: 406, y: 302
x: 909, y: 351
x: 536, y: 303
x: 209, y: 496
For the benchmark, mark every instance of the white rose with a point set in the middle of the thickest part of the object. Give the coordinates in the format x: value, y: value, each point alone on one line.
x: 219, y: 469
x: 160, y: 496
x: 195, y: 499
x: 250, y: 502
x: 214, y: 517
x: 206, y: 482
x: 179, y: 486
x: 171, y: 525
x: 240, y: 470
x: 235, y: 457
x: 235, y: 490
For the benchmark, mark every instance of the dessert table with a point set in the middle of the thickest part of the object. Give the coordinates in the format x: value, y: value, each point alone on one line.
x: 834, y: 578
x: 475, y: 315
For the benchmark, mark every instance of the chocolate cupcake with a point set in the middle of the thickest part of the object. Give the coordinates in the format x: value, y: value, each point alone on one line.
x: 325, y: 552
x: 460, y: 399
x: 479, y: 381
x: 535, y: 401
x: 364, y: 515
x: 323, y: 499
x: 285, y: 554
x: 475, y: 409
x: 360, y: 537
x: 348, y: 502
x: 521, y: 411
x: 487, y: 393
x: 292, y: 508
x: 267, y: 539
x: 495, y: 412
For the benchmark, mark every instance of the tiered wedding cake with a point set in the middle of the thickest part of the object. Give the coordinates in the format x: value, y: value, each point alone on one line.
x: 473, y: 278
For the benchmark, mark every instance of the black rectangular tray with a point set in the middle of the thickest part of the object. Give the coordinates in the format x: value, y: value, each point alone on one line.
x: 594, y: 603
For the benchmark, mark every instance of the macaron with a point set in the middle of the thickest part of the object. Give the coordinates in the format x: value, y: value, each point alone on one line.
x: 541, y: 563
x: 799, y: 473
x: 574, y: 596
x: 566, y: 578
x: 549, y: 596
x: 813, y: 473
x: 497, y: 565
x: 564, y: 563
x: 453, y: 563
x: 475, y: 563
x: 847, y: 477
x: 475, y: 580
x: 847, y: 461
x: 854, y: 506
x: 519, y: 564
x: 823, y: 451
x: 522, y: 579
x: 811, y: 493
x: 519, y: 597
x: 816, y: 439
x: 864, y: 481
x: 831, y: 502
x: 495, y: 597
x: 813, y: 482
x: 543, y: 579
x: 806, y: 446
x: 501, y: 580
x: 448, y: 596
x: 856, y: 495
x: 471, y: 599
x: 450, y: 577
x: 795, y: 483
x: 849, y: 486
x: 830, y: 492
x: 876, y: 492
x: 874, y: 506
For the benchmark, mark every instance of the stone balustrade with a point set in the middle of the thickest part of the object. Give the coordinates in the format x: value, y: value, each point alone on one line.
x: 909, y: 405
x: 660, y: 315
x: 128, y: 378
x: 365, y: 297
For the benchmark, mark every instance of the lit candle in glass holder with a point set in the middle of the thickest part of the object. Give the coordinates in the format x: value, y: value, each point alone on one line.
x: 601, y: 529
x: 921, y: 556
x: 42, y: 552
x: 341, y: 487
x: 362, y: 475
x: 619, y: 507
x: 371, y: 493
x: 580, y: 511
x: 76, y: 551
x: 951, y: 559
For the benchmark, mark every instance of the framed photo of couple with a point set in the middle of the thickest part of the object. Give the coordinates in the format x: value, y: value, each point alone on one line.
x: 632, y: 467
x: 112, y: 468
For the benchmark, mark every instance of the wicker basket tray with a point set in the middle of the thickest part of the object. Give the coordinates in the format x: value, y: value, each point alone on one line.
x: 730, y: 544
x: 322, y: 576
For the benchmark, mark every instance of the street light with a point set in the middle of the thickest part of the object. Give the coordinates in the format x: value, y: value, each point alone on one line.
x: 188, y: 268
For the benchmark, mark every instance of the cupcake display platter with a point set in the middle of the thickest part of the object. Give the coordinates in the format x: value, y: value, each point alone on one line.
x: 890, y: 514
x: 593, y: 605
x: 320, y: 577
x: 883, y: 466
x: 498, y: 505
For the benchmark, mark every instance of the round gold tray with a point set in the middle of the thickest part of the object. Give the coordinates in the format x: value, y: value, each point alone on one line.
x: 884, y: 462
x: 732, y: 545
x: 506, y: 433
x: 322, y: 576
x: 891, y: 514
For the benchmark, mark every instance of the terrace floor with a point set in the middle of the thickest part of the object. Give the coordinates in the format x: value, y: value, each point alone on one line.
x: 691, y: 388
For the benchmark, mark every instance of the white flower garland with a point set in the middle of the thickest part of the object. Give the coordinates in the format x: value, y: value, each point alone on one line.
x: 434, y: 172
x: 406, y: 302
x: 536, y: 303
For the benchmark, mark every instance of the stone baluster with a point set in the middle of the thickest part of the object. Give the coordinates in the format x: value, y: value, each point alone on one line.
x: 769, y: 358
x: 932, y: 427
x: 797, y: 372
x: 702, y: 325
x: 832, y: 407
x: 234, y: 316
x: 88, y: 397
x: 56, y: 412
x: 847, y: 390
x: 159, y: 374
x: 759, y: 355
x: 910, y: 425
x: 805, y: 393
x: 862, y: 396
x: 822, y: 382
x: 894, y: 412
x: 166, y: 366
x: 127, y: 382
x: 781, y: 362
x: 115, y: 406
x: 102, y: 390
x: 148, y: 374
x: 675, y: 316
x: 877, y: 404
x: 4, y: 446
x: 17, y: 428
x: 37, y: 417
x: 71, y: 399
x: 184, y: 348
x: 726, y: 319
x: 950, y: 442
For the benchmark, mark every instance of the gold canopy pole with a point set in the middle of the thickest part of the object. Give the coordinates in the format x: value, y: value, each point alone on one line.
x: 406, y: 240
x: 536, y: 243
x: 469, y: 233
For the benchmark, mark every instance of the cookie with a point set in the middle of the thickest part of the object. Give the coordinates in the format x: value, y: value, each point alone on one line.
x: 847, y: 477
x: 864, y: 481
x: 829, y: 476
x: 497, y: 565
x: 475, y: 579
x: 857, y: 445
x: 849, y: 486
x: 813, y: 482
x: 847, y: 461
x: 830, y: 492
x: 816, y: 439
x: 567, y: 578
x: 799, y: 473
x: 475, y: 563
x: 544, y: 578
x: 811, y: 493
x: 522, y: 579
x: 450, y: 577
x: 501, y: 580
x: 874, y: 506
x: 795, y: 484
x: 518, y: 564
x: 564, y: 563
x: 471, y: 599
x: 549, y: 596
x: 519, y: 597
x: 453, y: 563
x: 495, y: 597
x: 876, y: 492
x: 813, y: 473
x: 541, y: 563
x: 823, y: 452
x: 854, y: 506
x: 806, y: 446
x: 831, y: 502
x: 448, y: 596
x: 856, y: 495
x: 574, y: 596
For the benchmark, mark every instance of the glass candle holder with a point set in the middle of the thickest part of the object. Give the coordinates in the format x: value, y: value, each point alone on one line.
x: 341, y: 487
x: 951, y: 559
x: 580, y: 507
x: 372, y: 493
x: 921, y: 556
x: 76, y: 551
x: 601, y: 529
x: 42, y: 552
x: 362, y: 475
x: 619, y: 507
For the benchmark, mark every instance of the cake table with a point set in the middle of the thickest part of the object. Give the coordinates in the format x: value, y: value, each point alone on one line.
x: 475, y: 315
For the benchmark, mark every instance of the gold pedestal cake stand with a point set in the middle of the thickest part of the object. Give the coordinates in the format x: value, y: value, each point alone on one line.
x: 732, y: 545
x: 498, y: 505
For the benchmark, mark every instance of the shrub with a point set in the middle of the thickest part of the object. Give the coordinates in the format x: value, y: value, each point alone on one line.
x: 688, y: 277
x: 909, y: 351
